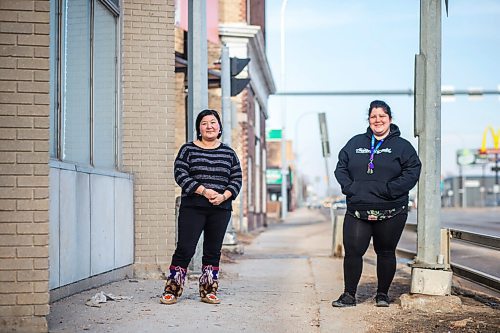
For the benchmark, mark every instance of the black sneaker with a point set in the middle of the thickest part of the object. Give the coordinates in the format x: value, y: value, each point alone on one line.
x: 382, y: 300
x: 344, y: 300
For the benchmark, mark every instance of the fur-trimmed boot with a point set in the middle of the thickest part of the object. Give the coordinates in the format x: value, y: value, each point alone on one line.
x: 209, y: 283
x: 174, y: 285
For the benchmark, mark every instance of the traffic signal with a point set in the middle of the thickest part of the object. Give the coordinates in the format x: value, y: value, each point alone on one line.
x: 238, y: 84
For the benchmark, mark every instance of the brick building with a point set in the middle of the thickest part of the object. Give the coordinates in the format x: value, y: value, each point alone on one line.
x: 88, y: 104
x: 91, y: 118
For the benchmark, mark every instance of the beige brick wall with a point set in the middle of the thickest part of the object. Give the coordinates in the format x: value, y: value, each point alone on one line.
x: 24, y: 135
x: 180, y: 128
x: 231, y: 11
x: 179, y: 40
x: 148, y: 126
x: 180, y: 93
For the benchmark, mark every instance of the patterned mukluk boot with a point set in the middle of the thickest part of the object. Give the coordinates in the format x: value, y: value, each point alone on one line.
x: 174, y: 285
x: 209, y: 283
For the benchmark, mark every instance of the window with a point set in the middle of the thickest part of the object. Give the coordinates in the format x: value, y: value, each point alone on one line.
x: 105, y: 91
x: 258, y: 171
x: 54, y: 36
x: 264, y: 184
x: 250, y: 184
x: 75, y: 82
x: 258, y: 177
x: 84, y: 81
x: 257, y: 119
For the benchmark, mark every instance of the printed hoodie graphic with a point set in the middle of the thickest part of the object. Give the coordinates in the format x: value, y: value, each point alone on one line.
x: 396, y: 171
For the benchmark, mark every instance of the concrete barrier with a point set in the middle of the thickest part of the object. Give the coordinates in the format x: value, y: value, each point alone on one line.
x: 337, y: 217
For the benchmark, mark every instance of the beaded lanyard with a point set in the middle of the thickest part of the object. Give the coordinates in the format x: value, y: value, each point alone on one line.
x: 373, y: 149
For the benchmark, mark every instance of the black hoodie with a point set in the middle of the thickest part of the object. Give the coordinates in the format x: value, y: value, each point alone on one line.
x: 397, y: 168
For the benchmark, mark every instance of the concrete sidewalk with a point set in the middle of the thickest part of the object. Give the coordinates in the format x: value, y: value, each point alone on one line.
x: 284, y: 282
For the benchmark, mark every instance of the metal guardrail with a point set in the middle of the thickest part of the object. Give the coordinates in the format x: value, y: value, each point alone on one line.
x: 476, y: 239
x: 476, y: 276
x: 468, y: 273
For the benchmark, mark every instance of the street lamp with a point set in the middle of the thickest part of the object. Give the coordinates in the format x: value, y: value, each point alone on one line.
x: 284, y: 166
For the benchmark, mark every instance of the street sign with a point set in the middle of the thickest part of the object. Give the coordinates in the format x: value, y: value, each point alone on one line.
x: 481, y: 159
x: 496, y: 141
x: 472, y: 183
x: 495, y: 169
x: 273, y: 176
x: 274, y: 134
x: 465, y: 157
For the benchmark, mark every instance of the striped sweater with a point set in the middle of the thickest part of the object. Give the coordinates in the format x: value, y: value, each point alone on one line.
x: 217, y: 169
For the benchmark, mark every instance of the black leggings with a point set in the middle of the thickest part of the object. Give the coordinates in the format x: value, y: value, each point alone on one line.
x: 192, y: 221
x: 386, y: 235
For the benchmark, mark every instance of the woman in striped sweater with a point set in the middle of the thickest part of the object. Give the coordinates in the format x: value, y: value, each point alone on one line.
x: 209, y: 174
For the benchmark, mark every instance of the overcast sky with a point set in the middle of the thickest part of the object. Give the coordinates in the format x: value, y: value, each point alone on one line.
x: 335, y: 45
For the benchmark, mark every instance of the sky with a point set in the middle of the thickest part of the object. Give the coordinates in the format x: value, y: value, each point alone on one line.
x: 335, y: 45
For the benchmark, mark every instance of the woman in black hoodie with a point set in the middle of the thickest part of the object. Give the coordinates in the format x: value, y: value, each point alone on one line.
x: 376, y: 170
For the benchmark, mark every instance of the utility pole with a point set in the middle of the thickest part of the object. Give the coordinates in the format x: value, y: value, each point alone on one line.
x: 197, y: 63
x: 284, y: 164
x: 225, y: 85
x: 197, y: 82
x: 429, y: 274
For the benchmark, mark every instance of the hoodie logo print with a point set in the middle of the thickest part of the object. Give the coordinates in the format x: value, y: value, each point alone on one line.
x: 379, y: 151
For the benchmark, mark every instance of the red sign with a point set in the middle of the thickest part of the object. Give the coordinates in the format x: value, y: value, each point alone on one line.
x: 488, y: 151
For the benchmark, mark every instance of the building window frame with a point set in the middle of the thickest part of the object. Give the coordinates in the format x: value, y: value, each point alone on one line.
x: 250, y: 194
x: 59, y: 70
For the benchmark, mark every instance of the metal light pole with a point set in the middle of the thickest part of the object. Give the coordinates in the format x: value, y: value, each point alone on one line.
x: 284, y: 164
x: 197, y: 82
x: 197, y: 63
x: 230, y: 237
x: 225, y: 80
x: 428, y: 109
x: 429, y: 274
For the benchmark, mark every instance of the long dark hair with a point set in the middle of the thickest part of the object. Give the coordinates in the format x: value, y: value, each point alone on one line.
x: 207, y: 112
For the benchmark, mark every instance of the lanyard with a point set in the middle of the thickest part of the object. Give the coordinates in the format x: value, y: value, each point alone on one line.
x: 373, y: 149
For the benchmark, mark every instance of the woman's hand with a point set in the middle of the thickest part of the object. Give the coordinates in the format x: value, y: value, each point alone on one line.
x: 218, y: 199
x: 210, y: 194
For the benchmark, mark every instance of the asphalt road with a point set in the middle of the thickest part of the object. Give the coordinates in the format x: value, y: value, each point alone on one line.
x: 479, y: 220
x: 484, y: 221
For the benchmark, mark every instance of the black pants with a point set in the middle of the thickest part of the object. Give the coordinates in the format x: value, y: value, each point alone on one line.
x: 357, y: 234
x: 192, y: 221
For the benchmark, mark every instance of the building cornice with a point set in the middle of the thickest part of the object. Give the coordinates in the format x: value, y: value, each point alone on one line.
x: 251, y: 35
